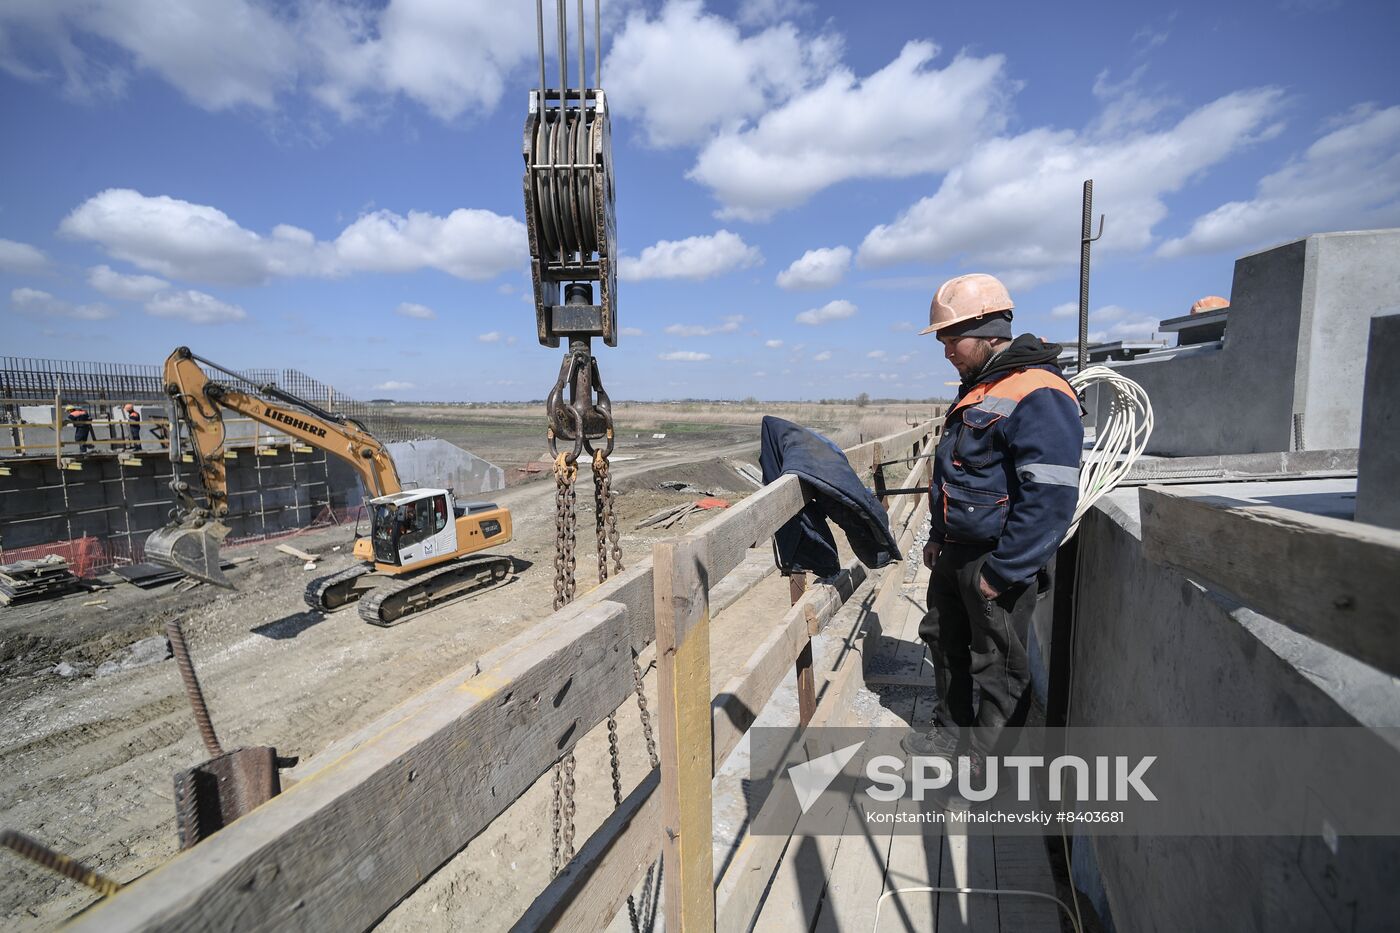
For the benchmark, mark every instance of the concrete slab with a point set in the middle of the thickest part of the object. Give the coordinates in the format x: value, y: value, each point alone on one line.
x: 1378, y: 486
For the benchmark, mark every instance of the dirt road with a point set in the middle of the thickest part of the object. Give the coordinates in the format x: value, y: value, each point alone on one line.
x: 86, y: 760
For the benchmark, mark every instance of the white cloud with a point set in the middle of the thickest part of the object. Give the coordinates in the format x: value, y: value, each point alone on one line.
x: 831, y: 311
x: 21, y: 258
x: 695, y: 258
x: 392, y: 385
x: 763, y: 12
x: 772, y: 344
x: 1068, y: 309
x: 684, y: 356
x: 195, y: 307
x: 632, y: 332
x: 906, y: 119
x: 730, y: 325
x: 1013, y: 206
x: 410, y: 309
x: 490, y: 337
x: 1348, y: 179
x: 876, y: 355
x: 449, y: 56
x: 33, y: 301
x: 903, y: 327
x: 125, y: 287
x: 218, y: 53
x: 686, y: 72
x: 823, y: 356
x: 818, y: 268
x: 199, y: 243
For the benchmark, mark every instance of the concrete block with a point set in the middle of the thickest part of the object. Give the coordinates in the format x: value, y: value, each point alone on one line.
x: 1297, y: 331
x: 1153, y: 648
x: 438, y: 464
x: 1378, y: 467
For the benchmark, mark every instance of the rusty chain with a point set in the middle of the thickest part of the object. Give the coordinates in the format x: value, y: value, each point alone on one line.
x: 609, y: 555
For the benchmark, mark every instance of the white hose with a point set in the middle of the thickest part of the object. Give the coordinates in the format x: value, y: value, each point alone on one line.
x: 1119, y: 441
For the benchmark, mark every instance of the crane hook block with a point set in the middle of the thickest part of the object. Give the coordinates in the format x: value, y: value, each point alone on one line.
x: 570, y: 213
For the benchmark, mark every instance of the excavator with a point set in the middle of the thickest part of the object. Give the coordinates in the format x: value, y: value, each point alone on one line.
x: 423, y: 547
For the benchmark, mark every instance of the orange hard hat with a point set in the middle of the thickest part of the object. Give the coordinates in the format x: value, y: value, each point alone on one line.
x: 1209, y: 303
x: 966, y: 298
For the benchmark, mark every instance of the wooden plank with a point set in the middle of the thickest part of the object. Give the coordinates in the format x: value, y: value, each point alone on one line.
x: 736, y: 706
x: 632, y: 589
x: 339, y: 849
x: 683, y: 678
x: 1022, y: 862
x: 729, y: 535
x: 857, y: 876
x: 968, y: 861
x: 591, y: 890
x: 297, y: 553
x: 915, y: 861
x: 758, y: 565
x: 806, y: 682
x: 1340, y: 584
x: 740, y: 890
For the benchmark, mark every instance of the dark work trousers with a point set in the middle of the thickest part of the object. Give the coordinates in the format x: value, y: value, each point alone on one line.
x: 977, y: 640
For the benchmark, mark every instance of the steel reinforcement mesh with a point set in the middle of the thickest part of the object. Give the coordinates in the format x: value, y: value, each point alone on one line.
x: 34, y: 381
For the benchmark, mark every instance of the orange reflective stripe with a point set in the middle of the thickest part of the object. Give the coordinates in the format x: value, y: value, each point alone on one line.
x: 1016, y: 386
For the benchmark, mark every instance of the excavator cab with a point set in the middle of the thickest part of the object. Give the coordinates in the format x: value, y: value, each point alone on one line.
x: 410, y: 528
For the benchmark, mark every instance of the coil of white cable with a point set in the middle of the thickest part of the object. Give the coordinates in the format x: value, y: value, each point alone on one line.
x: 1118, y: 442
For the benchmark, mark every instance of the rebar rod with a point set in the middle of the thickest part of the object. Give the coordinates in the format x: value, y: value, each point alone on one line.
x: 192, y: 689
x: 71, y: 868
x: 1085, y: 242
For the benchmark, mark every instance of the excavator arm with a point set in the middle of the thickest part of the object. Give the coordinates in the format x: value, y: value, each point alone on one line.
x: 191, y: 542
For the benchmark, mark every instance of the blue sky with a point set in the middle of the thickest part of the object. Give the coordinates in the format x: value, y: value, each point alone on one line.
x: 335, y: 186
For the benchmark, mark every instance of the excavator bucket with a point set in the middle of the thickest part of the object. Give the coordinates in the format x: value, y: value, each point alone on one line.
x: 191, y: 550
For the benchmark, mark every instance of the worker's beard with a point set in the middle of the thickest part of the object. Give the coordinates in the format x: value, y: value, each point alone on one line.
x: 981, y: 353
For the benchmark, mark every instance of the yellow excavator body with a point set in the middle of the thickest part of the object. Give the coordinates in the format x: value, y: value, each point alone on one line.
x: 419, y: 551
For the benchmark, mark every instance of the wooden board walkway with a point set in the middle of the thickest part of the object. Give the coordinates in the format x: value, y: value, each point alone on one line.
x: 859, y: 881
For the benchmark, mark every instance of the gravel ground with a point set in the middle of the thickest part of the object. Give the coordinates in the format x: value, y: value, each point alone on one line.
x: 86, y: 760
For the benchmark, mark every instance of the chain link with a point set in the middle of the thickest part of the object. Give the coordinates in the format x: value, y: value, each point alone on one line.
x: 567, y: 848
x: 555, y: 812
x: 565, y: 530
x: 609, y: 547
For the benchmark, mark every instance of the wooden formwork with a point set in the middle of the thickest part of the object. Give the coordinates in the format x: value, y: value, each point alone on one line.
x: 382, y: 810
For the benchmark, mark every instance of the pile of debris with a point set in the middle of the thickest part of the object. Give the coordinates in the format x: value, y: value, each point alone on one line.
x: 33, y: 580
x: 665, y: 518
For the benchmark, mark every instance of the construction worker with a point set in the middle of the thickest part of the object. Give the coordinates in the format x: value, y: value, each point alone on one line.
x: 133, y: 426
x: 82, y: 427
x: 1004, y: 490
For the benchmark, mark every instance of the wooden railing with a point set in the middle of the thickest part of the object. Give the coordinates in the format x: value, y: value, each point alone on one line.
x: 381, y: 810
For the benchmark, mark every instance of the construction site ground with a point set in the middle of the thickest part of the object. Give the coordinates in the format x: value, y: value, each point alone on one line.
x: 96, y: 722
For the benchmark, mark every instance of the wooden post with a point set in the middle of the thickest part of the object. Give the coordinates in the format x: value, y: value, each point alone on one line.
x: 683, y: 679
x: 806, y: 681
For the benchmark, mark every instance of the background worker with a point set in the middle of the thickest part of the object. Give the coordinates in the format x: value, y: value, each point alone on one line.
x: 1004, y: 489
x: 82, y: 427
x: 133, y: 426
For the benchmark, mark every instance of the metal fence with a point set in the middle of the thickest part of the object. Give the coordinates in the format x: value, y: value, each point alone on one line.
x: 31, y: 381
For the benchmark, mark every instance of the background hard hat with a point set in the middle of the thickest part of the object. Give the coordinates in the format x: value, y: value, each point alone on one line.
x: 1209, y: 303
x: 966, y: 298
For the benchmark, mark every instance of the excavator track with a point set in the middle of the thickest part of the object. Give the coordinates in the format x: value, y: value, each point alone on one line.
x: 392, y: 601
x: 337, y: 590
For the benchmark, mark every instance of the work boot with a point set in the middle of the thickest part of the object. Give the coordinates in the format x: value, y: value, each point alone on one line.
x: 936, y: 741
